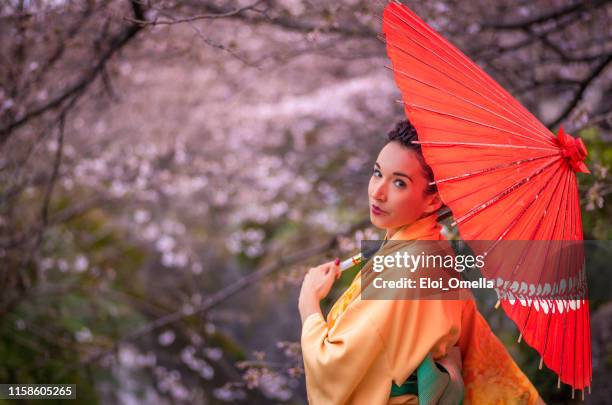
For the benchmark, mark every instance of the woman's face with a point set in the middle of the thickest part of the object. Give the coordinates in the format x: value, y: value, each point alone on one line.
x: 396, y: 189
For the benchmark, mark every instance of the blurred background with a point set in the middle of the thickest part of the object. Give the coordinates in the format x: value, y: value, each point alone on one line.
x: 170, y: 169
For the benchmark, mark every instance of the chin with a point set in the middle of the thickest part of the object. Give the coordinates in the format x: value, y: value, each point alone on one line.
x: 377, y: 222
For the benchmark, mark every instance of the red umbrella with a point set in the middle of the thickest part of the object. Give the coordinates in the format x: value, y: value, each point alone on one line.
x: 504, y: 176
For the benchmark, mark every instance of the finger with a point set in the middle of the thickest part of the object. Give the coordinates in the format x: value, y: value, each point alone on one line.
x: 326, y: 276
x: 326, y: 267
x: 326, y: 280
x: 330, y: 279
x: 337, y: 267
x: 333, y: 264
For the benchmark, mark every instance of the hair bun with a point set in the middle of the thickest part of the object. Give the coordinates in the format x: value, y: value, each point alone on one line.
x: 404, y: 132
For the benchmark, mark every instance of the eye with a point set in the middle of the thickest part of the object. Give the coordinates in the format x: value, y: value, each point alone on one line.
x: 376, y: 173
x: 400, y: 183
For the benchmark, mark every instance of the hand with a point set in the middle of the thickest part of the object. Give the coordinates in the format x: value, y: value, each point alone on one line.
x: 316, y: 285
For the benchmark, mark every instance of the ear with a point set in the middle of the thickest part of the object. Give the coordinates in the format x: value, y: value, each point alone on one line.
x: 434, y: 203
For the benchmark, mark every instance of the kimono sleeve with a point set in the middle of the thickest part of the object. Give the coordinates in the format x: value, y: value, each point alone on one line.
x: 337, y: 359
x: 489, y: 372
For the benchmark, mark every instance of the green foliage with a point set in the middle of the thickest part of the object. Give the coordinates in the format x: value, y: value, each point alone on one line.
x: 69, y: 316
x: 596, y: 187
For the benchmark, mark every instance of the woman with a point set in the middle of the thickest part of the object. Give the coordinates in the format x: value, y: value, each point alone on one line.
x: 366, y: 349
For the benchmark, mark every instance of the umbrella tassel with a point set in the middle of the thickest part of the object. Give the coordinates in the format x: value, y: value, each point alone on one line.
x: 572, y: 392
x: 497, y: 304
x: 541, y: 362
x: 520, y: 338
x: 583, y: 395
x: 589, y: 390
x: 559, y: 383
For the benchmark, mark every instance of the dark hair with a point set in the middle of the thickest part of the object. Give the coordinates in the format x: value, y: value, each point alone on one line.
x: 405, y: 133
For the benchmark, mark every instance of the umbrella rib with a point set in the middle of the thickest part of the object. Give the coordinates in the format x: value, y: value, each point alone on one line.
x: 507, y: 229
x: 478, y: 75
x: 468, y: 194
x: 518, y: 111
x: 578, y: 235
x: 513, y: 224
x: 488, y: 145
x: 524, y: 210
x: 579, y: 293
x: 451, y: 50
x: 531, y: 131
x: 540, y: 220
x: 442, y: 127
x: 537, y: 130
x: 463, y: 99
x: 549, y: 318
x: 476, y: 209
x: 471, y: 192
x: 466, y: 119
x: 575, y: 335
x: 575, y: 312
x: 492, y: 169
x: 589, y: 354
x: 565, y: 215
x: 573, y: 295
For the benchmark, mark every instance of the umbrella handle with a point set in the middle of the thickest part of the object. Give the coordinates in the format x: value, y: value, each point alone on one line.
x: 351, y: 262
x: 359, y: 258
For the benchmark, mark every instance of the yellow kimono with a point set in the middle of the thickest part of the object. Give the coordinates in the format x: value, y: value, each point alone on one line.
x: 365, y: 346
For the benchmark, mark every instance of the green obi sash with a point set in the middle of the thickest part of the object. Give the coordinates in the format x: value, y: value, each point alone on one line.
x: 410, y: 386
x: 435, y: 382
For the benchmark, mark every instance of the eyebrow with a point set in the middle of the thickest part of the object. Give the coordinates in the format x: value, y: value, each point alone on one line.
x: 397, y: 173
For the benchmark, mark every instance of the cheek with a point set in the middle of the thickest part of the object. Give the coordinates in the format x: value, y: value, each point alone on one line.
x: 407, y: 206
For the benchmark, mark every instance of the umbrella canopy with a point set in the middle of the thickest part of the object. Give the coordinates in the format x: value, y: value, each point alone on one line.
x: 504, y: 176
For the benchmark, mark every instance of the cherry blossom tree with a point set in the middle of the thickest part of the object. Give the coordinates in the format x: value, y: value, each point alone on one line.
x: 169, y: 169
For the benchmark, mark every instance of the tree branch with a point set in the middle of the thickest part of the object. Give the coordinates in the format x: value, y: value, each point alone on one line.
x: 528, y: 22
x: 565, y: 57
x: 229, y: 291
x: 63, y: 216
x: 580, y: 92
x: 298, y: 25
x: 77, y: 89
x: 171, y: 20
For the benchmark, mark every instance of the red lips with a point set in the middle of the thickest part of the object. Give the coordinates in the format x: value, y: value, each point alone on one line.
x: 376, y: 210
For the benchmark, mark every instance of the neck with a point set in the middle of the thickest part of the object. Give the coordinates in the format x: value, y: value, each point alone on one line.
x: 391, y: 232
x: 424, y: 228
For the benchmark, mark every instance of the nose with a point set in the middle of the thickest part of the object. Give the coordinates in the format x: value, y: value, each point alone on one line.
x: 380, y: 191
